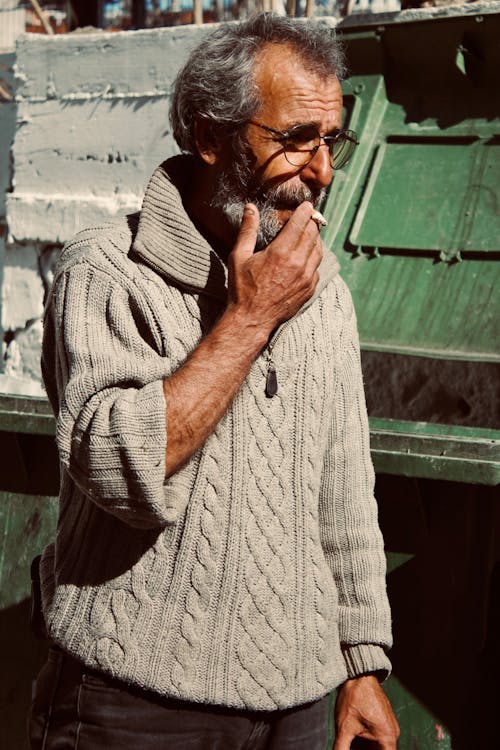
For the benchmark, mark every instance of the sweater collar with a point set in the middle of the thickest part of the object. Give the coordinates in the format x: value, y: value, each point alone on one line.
x: 169, y: 242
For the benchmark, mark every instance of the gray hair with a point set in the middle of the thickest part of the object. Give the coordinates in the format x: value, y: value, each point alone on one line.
x: 217, y: 81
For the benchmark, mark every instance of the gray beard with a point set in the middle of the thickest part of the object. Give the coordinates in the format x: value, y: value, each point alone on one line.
x: 234, y: 189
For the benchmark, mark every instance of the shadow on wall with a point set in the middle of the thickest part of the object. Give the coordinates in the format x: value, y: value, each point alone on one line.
x: 422, y: 389
x: 444, y: 589
x: 21, y: 657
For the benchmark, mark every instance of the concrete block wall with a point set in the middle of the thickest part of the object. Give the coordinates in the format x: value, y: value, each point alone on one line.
x: 88, y: 126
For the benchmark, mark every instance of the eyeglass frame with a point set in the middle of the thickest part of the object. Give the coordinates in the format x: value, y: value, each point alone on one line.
x: 349, y: 135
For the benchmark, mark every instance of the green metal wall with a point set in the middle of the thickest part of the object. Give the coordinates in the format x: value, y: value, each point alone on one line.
x: 414, y: 217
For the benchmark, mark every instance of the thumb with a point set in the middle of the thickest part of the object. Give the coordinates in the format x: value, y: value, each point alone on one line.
x: 247, y: 236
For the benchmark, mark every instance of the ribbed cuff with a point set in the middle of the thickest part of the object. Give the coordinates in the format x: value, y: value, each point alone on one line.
x: 366, y: 657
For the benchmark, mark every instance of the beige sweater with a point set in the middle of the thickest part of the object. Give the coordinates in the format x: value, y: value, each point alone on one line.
x: 255, y: 576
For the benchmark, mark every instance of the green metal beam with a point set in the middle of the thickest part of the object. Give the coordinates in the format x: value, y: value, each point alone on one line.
x: 26, y: 414
x: 435, y: 451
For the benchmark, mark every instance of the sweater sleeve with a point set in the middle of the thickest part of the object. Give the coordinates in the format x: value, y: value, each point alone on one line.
x: 350, y: 535
x: 103, y: 376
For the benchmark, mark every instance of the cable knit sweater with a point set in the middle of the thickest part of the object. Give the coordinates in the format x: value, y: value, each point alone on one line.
x: 254, y: 577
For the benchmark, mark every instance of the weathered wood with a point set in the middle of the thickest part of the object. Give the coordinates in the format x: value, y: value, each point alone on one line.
x: 39, y: 12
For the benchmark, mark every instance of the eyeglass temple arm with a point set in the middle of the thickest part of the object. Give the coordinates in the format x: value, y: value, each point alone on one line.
x: 281, y: 133
x: 285, y: 133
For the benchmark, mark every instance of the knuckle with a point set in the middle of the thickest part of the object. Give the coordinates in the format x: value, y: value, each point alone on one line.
x: 302, y: 214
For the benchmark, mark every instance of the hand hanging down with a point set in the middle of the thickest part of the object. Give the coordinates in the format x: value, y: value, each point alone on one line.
x: 363, y: 710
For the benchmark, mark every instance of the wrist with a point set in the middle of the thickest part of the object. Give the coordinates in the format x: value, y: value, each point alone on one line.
x: 246, y: 331
x: 368, y: 677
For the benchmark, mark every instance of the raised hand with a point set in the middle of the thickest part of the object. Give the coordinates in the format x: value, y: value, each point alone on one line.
x: 270, y: 286
x: 265, y: 289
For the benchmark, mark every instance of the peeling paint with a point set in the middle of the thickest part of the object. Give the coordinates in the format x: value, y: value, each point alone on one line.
x: 440, y: 735
x: 22, y: 355
x: 22, y: 288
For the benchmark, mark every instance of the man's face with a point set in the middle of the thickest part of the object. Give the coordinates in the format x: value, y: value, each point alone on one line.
x: 291, y: 95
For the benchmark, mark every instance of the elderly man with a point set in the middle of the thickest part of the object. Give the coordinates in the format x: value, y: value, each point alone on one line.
x: 218, y: 567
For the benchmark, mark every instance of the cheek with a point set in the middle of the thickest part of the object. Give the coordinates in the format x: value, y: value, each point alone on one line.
x: 277, y: 170
x: 271, y: 163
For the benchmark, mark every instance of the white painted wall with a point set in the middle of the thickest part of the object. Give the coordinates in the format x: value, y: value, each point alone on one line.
x: 92, y: 125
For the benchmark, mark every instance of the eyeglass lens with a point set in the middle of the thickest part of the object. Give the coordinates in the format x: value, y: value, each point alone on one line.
x: 302, y: 145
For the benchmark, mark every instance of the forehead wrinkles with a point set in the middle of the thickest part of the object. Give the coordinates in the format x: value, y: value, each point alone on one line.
x: 285, y: 82
x: 283, y: 60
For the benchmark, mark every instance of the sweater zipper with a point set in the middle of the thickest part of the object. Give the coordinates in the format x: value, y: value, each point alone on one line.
x: 271, y: 388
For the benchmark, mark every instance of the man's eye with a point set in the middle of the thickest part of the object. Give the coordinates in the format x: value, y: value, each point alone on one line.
x: 303, y: 139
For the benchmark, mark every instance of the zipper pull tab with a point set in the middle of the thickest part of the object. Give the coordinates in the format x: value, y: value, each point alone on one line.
x: 271, y: 379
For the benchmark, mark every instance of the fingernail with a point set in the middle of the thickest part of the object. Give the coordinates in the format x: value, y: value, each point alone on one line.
x: 249, y: 210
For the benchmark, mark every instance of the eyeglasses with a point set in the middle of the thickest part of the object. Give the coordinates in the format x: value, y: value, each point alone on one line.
x: 301, y: 143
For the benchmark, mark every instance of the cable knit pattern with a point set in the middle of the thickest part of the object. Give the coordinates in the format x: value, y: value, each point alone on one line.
x: 317, y: 418
x: 264, y: 646
x: 202, y: 575
x: 254, y: 576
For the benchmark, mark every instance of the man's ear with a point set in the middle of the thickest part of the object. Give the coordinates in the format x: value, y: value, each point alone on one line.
x: 207, y: 141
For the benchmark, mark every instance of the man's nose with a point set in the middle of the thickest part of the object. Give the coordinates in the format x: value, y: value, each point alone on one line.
x: 319, y: 170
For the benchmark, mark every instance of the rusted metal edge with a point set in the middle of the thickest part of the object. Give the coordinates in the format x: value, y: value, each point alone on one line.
x: 436, y: 451
x: 26, y: 414
x: 412, y: 15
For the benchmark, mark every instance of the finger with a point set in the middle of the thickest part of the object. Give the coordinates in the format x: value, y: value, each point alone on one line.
x: 312, y: 263
x: 311, y: 234
x: 299, y: 220
x: 311, y: 250
x: 298, y: 242
x: 313, y: 283
x: 247, y: 236
x: 342, y: 742
x: 311, y: 216
x: 388, y: 743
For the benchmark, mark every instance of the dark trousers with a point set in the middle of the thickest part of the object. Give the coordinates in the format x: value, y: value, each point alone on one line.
x: 74, y: 707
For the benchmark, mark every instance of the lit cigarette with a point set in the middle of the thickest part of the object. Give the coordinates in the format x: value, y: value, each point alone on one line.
x: 319, y: 219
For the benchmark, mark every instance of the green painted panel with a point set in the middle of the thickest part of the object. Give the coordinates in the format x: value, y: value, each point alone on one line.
x: 420, y: 730
x: 431, y: 196
x: 414, y: 218
x: 27, y: 525
x: 416, y: 305
x: 482, y: 209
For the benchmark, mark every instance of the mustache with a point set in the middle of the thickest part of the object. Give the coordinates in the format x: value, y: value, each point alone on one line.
x: 286, y: 197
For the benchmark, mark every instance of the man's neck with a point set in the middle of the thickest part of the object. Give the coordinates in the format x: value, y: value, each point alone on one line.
x: 209, y: 221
